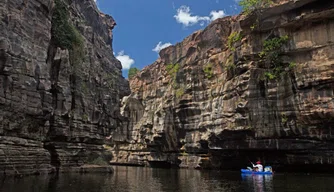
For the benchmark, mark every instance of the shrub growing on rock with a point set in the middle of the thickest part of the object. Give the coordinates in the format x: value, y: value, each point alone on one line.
x: 208, y: 70
x: 233, y: 38
x: 132, y: 72
x: 250, y: 5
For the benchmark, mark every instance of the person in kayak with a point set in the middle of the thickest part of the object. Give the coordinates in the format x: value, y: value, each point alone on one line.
x: 258, y: 167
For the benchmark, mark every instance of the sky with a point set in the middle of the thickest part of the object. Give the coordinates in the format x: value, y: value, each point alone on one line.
x: 144, y: 27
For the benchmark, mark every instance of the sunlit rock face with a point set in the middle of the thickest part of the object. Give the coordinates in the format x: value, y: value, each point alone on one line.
x: 49, y: 117
x: 211, y: 102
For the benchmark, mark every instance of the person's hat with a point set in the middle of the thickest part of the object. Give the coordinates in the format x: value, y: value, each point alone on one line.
x: 259, y: 162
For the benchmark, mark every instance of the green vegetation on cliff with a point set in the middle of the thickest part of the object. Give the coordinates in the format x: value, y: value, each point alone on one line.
x: 273, y: 45
x: 179, y: 92
x: 65, y: 35
x: 132, y: 72
x: 208, y: 70
x: 272, y: 55
x: 233, y: 38
x: 230, y: 63
x: 250, y: 5
x: 172, y: 70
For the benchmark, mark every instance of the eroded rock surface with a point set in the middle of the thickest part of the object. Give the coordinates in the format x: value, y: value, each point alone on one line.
x: 208, y: 102
x: 49, y: 117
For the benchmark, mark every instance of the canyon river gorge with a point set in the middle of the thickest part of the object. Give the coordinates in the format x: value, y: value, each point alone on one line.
x: 254, y: 86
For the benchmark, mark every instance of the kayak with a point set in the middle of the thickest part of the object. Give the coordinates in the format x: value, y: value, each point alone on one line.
x: 247, y: 171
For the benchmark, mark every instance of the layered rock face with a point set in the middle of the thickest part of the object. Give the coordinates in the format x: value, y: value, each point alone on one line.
x: 54, y: 114
x: 245, y: 88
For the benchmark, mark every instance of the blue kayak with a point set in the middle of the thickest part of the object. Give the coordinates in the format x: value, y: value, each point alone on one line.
x: 247, y: 171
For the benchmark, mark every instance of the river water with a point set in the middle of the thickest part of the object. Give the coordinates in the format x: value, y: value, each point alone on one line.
x: 140, y: 179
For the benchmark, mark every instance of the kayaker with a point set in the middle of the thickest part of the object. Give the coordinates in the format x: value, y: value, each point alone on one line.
x: 258, y: 167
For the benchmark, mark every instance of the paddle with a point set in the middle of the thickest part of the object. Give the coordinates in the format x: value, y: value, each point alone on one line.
x: 250, y: 161
x: 252, y: 164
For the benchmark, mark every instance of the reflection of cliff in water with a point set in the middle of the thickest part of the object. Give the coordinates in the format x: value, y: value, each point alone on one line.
x: 143, y: 179
x: 258, y: 183
x: 189, y: 180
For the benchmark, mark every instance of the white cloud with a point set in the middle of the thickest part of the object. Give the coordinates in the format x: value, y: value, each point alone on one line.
x: 161, y: 46
x: 217, y: 14
x: 185, y: 17
x: 126, y: 60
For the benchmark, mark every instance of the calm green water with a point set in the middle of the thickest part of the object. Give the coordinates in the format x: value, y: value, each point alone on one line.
x: 138, y: 179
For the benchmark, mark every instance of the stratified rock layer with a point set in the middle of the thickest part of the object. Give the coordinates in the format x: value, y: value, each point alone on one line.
x: 206, y: 104
x: 50, y: 119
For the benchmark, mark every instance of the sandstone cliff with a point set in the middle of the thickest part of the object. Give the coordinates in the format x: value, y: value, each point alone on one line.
x: 56, y: 107
x: 246, y: 87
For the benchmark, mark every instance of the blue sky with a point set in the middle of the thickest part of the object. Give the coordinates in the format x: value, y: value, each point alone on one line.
x: 142, y: 24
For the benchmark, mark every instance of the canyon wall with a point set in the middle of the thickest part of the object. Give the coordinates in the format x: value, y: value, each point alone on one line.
x: 245, y: 88
x: 55, y: 111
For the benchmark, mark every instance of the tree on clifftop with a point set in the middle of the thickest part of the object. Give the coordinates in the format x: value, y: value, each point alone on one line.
x: 132, y: 72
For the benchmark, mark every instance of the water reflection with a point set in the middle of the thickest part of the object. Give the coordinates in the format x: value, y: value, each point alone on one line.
x: 258, y: 183
x: 161, y: 180
x: 128, y: 179
x: 139, y: 179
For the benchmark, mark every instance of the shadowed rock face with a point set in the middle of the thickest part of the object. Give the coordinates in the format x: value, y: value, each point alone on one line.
x: 48, y: 117
x: 219, y: 107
